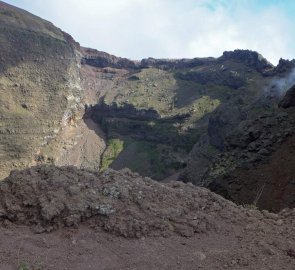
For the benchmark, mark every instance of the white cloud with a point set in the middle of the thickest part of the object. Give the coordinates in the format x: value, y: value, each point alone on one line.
x: 171, y: 28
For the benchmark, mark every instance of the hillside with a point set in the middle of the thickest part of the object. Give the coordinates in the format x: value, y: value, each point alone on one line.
x: 209, y: 121
x: 141, y: 164
x: 34, y: 106
x: 200, y: 120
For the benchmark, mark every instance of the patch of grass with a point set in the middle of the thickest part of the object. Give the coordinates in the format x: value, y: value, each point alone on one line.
x: 25, y: 266
x: 153, y: 88
x: 114, y: 148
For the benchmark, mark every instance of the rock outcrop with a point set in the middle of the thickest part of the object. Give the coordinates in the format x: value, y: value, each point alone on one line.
x: 283, y: 67
x: 167, y: 64
x: 249, y: 58
x: 289, y: 99
x: 99, y: 59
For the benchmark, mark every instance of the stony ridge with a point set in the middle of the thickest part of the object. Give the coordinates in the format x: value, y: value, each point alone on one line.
x: 120, y: 202
x: 250, y: 58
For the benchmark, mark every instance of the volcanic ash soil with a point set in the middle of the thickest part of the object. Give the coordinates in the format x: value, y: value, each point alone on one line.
x: 132, y: 211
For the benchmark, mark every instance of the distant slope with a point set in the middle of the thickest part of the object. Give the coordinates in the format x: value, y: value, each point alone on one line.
x: 203, y: 119
x: 160, y: 108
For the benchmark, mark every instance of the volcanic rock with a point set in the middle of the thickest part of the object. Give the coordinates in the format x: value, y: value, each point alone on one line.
x: 289, y: 98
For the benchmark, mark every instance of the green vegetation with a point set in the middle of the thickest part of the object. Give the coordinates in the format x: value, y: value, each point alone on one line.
x: 159, y: 145
x: 224, y: 165
x: 160, y: 90
x: 25, y: 266
x: 114, y: 148
x: 162, y: 131
x: 183, y: 98
x: 155, y: 160
x: 153, y: 89
x: 149, y: 159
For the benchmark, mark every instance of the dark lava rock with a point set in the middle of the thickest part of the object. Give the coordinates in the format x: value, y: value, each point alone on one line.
x: 221, y: 123
x: 226, y: 78
x: 283, y: 67
x: 100, y: 59
x: 127, y: 110
x: 289, y: 99
x: 244, y: 134
x: 175, y: 63
x: 250, y: 58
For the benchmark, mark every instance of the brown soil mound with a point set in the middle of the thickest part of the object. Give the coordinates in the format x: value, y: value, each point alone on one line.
x: 218, y: 234
x: 120, y: 202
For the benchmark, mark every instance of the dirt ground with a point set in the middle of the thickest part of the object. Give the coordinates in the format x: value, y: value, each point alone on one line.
x: 85, y: 248
x: 65, y: 218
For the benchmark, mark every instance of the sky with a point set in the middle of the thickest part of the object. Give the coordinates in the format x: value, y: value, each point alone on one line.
x: 139, y: 29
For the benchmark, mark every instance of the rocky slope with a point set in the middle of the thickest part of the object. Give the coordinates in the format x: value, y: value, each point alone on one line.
x: 123, y: 221
x: 200, y: 120
x: 251, y: 161
x: 209, y: 121
x: 34, y: 106
x: 42, y: 96
x: 165, y: 105
x: 224, y: 123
